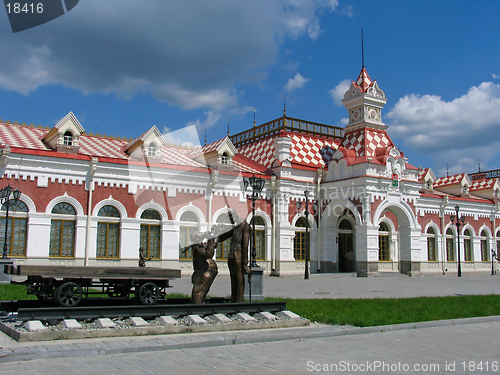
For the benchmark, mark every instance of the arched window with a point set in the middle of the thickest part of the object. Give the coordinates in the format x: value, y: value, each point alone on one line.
x: 260, y: 238
x: 68, y: 138
x: 384, y: 253
x: 299, y: 243
x: 431, y: 245
x: 150, y: 233
x: 62, y: 231
x: 345, y: 224
x: 223, y: 247
x: 151, y: 149
x: 224, y: 158
x: 17, y: 228
x: 484, y: 246
x: 468, y: 245
x: 450, y: 245
x: 108, y: 232
x: 189, y: 224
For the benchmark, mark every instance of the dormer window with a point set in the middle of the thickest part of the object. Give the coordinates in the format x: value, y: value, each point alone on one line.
x: 464, y: 189
x: 429, y: 184
x: 68, y: 139
x: 224, y: 158
x: 151, y: 151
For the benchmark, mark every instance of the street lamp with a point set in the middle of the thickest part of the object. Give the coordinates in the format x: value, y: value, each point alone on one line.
x: 298, y: 204
x: 257, y: 185
x: 458, y: 224
x: 493, y: 256
x: 5, y: 200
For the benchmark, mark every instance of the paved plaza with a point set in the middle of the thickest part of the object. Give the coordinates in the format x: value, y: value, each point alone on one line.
x: 445, y: 348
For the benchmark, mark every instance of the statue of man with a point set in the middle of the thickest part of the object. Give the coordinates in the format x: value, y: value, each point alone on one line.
x: 237, y: 258
x: 205, y: 268
x: 142, y: 258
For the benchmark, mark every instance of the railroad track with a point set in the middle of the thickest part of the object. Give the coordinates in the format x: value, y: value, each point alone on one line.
x: 54, y: 314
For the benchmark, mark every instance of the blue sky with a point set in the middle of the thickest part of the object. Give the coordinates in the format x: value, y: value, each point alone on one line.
x: 124, y: 65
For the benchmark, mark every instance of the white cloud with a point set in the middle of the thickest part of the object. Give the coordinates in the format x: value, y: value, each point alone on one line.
x: 295, y: 83
x: 190, y: 54
x: 495, y: 76
x: 348, y: 11
x: 187, y: 136
x: 457, y: 131
x: 338, y: 92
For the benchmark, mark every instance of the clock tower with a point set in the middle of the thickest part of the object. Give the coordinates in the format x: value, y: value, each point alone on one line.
x: 364, y: 100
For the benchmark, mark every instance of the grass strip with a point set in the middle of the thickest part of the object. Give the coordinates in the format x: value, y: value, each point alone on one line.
x: 375, y: 312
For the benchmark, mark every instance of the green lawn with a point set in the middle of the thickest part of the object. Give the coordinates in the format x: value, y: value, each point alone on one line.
x: 373, y: 312
x: 360, y: 312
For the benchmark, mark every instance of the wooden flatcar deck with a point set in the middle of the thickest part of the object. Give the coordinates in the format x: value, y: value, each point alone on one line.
x: 94, y: 272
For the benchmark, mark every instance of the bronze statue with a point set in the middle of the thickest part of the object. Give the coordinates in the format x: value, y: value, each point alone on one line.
x: 142, y: 258
x: 205, y: 268
x: 237, y: 259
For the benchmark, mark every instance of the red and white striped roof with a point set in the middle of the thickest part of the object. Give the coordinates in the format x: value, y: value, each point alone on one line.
x: 306, y: 150
x: 110, y: 148
x: 449, y: 180
x: 483, y: 183
x: 364, y: 81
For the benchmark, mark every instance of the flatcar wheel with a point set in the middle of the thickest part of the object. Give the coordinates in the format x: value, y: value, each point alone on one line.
x: 68, y: 294
x: 148, y: 293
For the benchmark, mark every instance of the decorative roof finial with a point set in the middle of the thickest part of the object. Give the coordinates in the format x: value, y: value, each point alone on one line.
x: 284, y: 105
x: 205, y: 135
x: 479, y: 164
x: 228, y: 126
x: 447, y: 174
x: 362, y: 50
x: 254, y: 110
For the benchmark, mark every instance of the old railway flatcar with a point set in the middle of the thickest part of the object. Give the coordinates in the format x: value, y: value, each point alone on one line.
x: 69, y: 285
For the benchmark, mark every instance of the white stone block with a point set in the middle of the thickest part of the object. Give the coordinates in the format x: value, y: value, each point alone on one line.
x: 137, y: 321
x: 220, y: 318
x: 168, y: 320
x: 71, y: 324
x: 265, y: 315
x: 196, y: 319
x: 245, y: 317
x: 104, y: 323
x: 287, y: 314
x: 34, y: 325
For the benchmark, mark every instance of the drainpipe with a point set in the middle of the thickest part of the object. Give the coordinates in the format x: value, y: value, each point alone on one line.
x: 274, y: 222
x: 319, y: 206
x: 92, y: 170
x: 444, y: 203
x: 214, y: 177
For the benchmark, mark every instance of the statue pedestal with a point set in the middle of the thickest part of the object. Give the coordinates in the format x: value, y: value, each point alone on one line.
x: 257, y: 284
x: 5, y: 278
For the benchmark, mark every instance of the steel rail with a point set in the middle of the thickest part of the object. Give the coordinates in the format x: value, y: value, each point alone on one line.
x: 14, y: 306
x: 145, y: 311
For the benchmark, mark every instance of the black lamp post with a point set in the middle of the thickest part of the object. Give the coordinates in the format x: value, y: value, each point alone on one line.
x: 257, y: 185
x: 493, y: 256
x: 458, y: 224
x: 298, y: 204
x: 5, y: 200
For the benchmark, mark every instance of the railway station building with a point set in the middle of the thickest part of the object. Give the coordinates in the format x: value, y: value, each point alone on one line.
x: 90, y: 199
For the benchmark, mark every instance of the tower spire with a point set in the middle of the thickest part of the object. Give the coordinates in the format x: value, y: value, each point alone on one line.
x: 254, y: 110
x: 284, y: 105
x: 362, y: 50
x: 205, y: 135
x: 228, y: 126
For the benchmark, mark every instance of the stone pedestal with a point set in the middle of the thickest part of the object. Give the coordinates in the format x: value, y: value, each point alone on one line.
x: 257, y: 284
x: 5, y: 278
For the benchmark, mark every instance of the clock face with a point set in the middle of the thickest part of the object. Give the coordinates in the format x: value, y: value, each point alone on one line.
x: 356, y: 114
x: 373, y: 115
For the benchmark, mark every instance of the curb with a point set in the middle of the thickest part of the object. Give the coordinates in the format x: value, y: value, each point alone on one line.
x: 82, y: 349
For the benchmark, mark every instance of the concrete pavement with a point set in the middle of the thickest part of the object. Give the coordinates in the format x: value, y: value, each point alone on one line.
x: 289, y: 350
